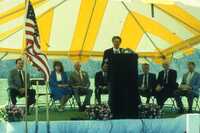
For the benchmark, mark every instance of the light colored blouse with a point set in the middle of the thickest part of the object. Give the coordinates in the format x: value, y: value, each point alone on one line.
x: 58, y: 76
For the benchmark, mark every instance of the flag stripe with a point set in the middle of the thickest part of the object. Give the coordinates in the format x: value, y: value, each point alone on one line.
x: 38, y: 64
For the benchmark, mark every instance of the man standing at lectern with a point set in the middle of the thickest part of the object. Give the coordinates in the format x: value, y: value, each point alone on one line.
x: 122, y: 80
x: 116, y: 40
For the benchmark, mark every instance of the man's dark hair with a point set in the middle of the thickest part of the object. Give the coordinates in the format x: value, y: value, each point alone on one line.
x: 191, y: 63
x: 58, y: 63
x: 145, y: 64
x: 18, y: 59
x: 116, y: 37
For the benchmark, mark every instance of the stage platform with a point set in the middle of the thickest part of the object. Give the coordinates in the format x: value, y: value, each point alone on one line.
x: 170, y: 125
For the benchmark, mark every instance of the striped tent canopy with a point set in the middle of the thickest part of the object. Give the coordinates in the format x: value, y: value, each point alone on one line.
x: 83, y: 29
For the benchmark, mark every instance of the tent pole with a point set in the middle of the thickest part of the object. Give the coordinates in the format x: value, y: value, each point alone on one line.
x: 1, y: 58
x: 87, y: 29
x: 26, y: 78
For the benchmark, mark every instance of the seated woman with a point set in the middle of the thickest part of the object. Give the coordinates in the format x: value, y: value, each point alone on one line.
x: 59, y: 85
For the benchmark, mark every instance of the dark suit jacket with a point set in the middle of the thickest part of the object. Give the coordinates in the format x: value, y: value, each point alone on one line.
x: 172, y: 77
x: 151, y: 81
x: 108, y: 53
x: 99, y: 80
x: 53, y: 83
x: 14, y: 80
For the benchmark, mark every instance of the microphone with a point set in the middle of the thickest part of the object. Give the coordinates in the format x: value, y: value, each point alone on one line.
x: 127, y: 51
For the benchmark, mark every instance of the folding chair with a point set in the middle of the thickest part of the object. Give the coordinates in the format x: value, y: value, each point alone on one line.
x: 24, y: 104
x: 197, y: 105
x: 153, y: 99
x: 172, y: 104
x: 39, y: 85
x: 53, y: 103
x: 104, y: 92
x: 72, y: 102
x: 9, y: 99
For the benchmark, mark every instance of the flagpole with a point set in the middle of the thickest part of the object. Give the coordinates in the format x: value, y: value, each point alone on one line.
x: 47, y: 107
x: 39, y: 60
x: 36, y: 110
x: 26, y: 78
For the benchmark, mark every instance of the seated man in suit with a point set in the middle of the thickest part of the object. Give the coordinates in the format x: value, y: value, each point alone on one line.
x: 167, y: 85
x: 101, y: 83
x: 146, y: 82
x: 116, y: 40
x: 80, y: 83
x: 16, y: 84
x: 189, y: 85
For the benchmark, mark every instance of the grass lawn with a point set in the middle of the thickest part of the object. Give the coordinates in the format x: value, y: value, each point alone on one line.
x: 58, y: 116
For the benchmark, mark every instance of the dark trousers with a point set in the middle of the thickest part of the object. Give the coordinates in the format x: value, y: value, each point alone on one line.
x: 99, y: 91
x: 146, y: 93
x: 81, y: 92
x: 189, y: 94
x: 166, y: 93
x: 13, y: 93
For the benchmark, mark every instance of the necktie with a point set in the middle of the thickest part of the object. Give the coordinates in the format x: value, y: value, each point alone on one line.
x: 189, y: 77
x: 166, y: 77
x: 21, y: 78
x: 145, y: 81
x: 104, y: 77
x: 117, y: 52
x: 80, y: 74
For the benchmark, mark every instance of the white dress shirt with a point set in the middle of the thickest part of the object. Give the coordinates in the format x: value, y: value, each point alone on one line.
x: 189, y: 77
x: 21, y: 72
x: 58, y: 76
x: 80, y: 74
x: 116, y: 51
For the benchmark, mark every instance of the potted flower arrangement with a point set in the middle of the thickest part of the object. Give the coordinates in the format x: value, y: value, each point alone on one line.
x: 99, y: 112
x: 150, y: 111
x: 11, y: 113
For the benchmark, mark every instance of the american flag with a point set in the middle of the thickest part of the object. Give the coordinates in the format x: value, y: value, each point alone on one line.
x: 33, y: 52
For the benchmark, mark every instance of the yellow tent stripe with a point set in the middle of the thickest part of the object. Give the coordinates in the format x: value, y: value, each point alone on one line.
x: 82, y: 24
x: 189, y: 43
x: 17, y: 11
x: 74, y: 54
x: 181, y: 15
x: 150, y: 26
x: 85, y: 12
x: 95, y: 25
x: 131, y: 34
x: 188, y: 51
x: 88, y: 24
x: 10, y: 32
x: 45, y: 29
